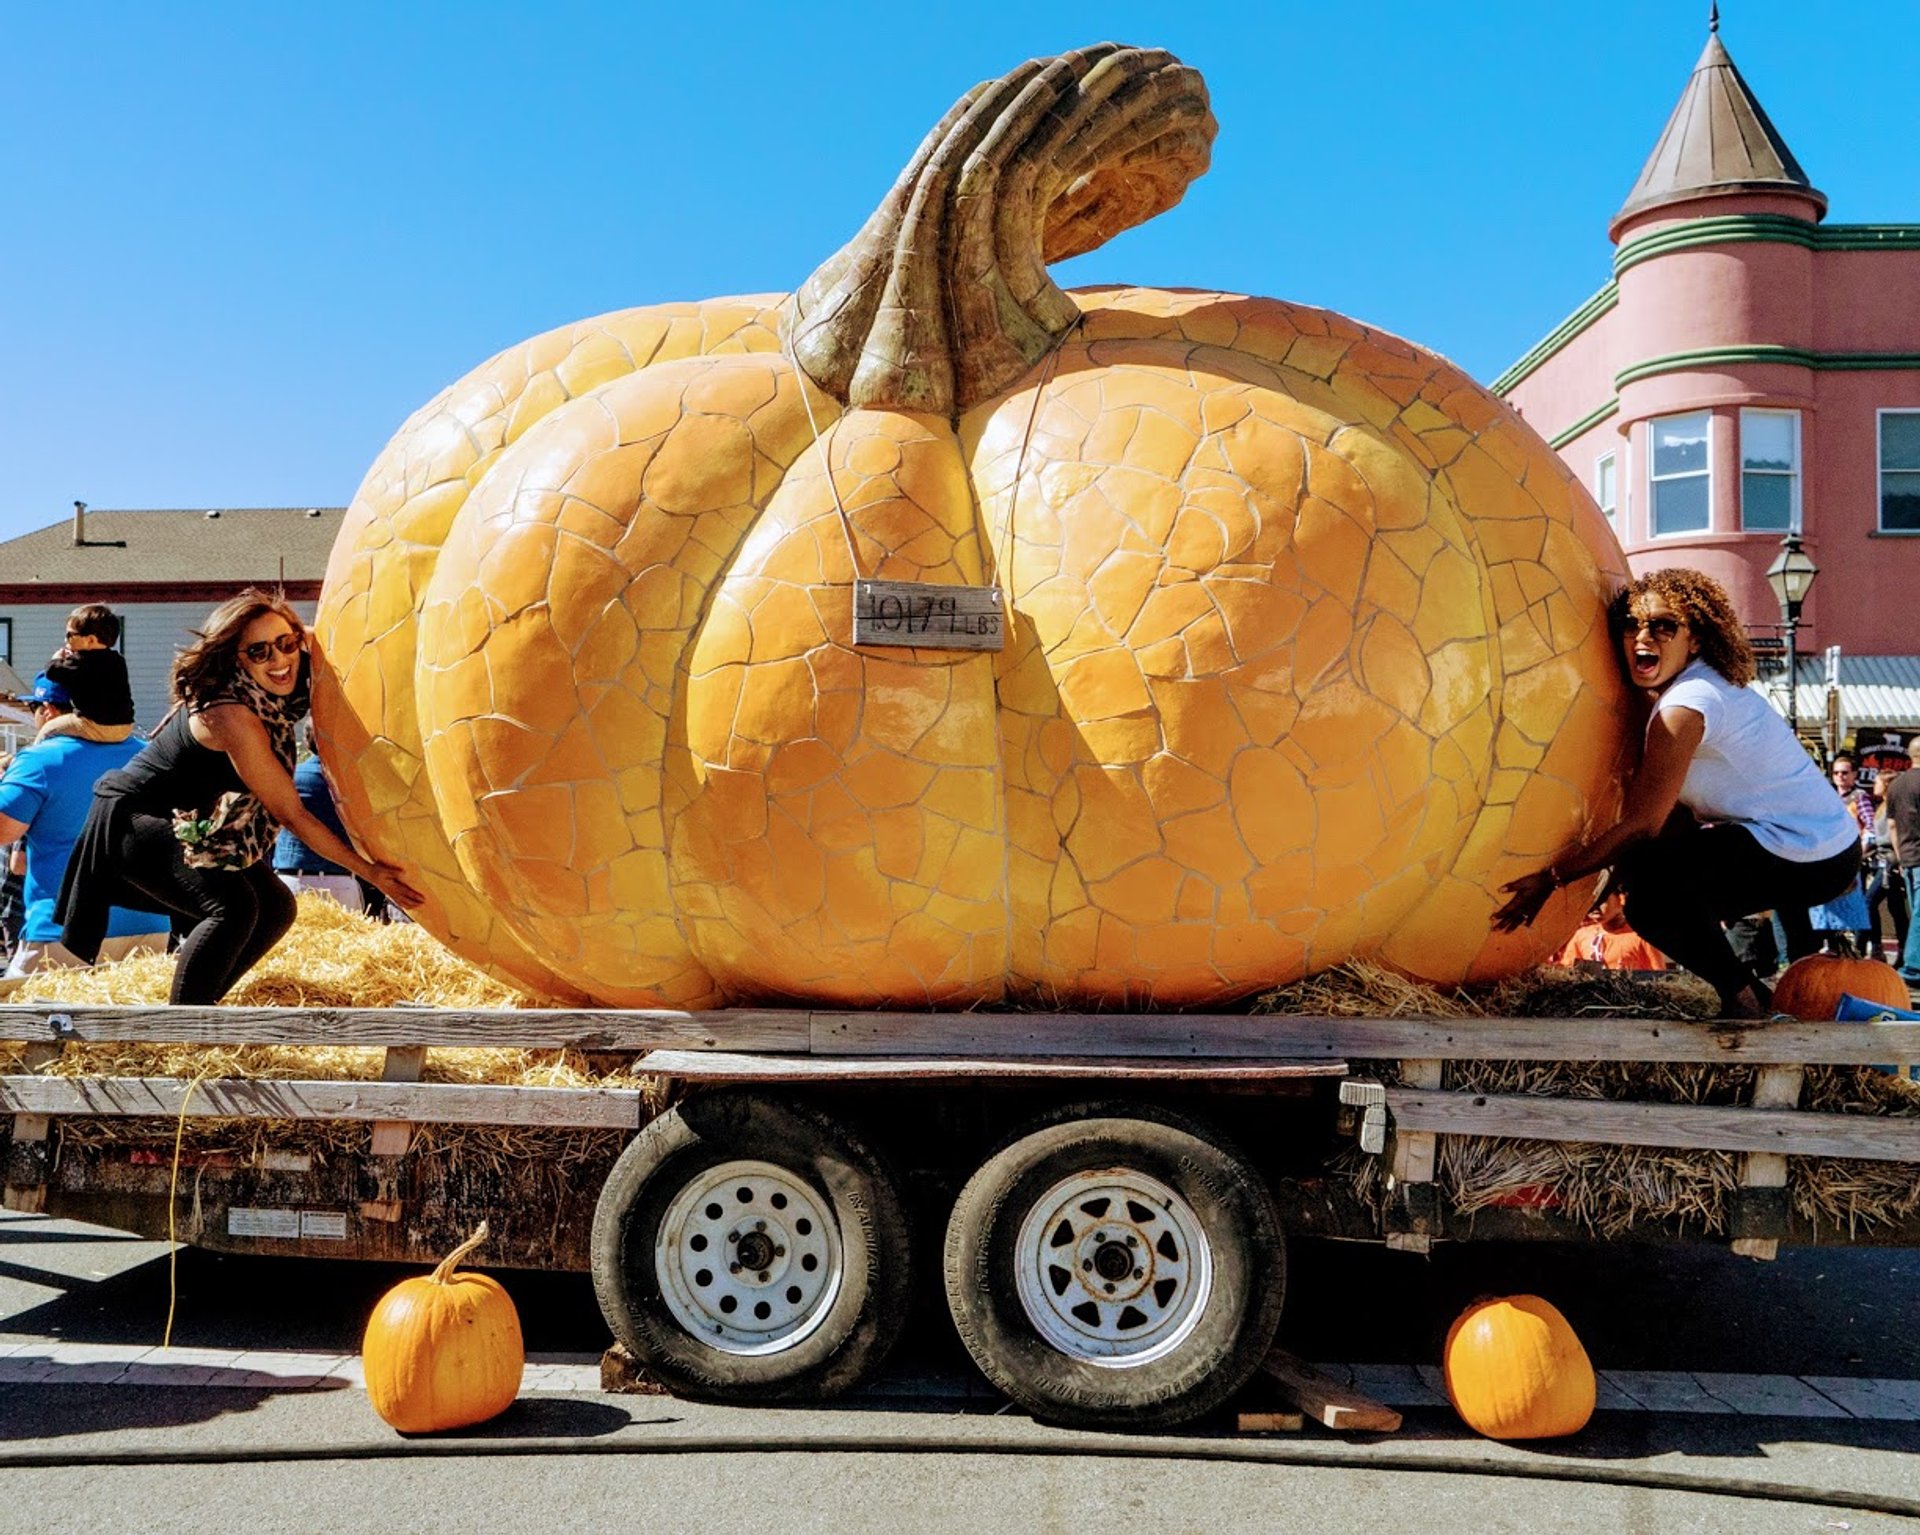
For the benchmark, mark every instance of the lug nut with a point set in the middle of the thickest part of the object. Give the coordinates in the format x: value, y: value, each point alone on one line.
x: 1109, y: 1289
x: 1133, y: 1241
x: 779, y: 1252
x: 1087, y: 1264
x: 1139, y: 1273
x: 759, y: 1225
x: 733, y: 1268
x: 733, y: 1236
x: 763, y: 1278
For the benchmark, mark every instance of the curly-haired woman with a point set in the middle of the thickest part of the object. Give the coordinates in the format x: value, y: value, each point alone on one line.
x: 1727, y: 815
x: 186, y: 826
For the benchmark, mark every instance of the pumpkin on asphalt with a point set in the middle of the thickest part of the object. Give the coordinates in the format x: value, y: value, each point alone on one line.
x: 1515, y: 1370
x: 1811, y: 987
x: 443, y: 1350
x: 1305, y: 650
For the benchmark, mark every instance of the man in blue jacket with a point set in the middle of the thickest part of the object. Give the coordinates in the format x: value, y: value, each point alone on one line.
x: 44, y: 800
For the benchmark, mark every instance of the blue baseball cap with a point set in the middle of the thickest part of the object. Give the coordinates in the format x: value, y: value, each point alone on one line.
x: 47, y: 691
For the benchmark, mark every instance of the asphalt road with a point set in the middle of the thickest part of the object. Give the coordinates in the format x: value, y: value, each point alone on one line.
x: 931, y: 1448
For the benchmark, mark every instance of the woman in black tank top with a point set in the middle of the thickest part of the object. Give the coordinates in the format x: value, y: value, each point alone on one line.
x: 187, y: 826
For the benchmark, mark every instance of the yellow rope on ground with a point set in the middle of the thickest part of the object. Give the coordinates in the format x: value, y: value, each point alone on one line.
x: 173, y: 1193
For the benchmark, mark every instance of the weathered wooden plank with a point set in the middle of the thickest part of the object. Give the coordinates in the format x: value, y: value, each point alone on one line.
x: 1414, y: 1154
x: 928, y: 616
x: 27, y: 1160
x: 726, y: 1066
x: 403, y: 1063
x: 422, y: 1102
x: 1776, y: 1087
x: 1000, y: 1035
x: 512, y: 1028
x: 1782, y: 1131
x: 1326, y: 1401
x: 1256, y: 1035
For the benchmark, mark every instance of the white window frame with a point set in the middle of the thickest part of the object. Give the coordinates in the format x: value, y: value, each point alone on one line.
x: 1793, y: 475
x: 1608, y: 461
x: 6, y: 641
x: 1654, y: 479
x: 1880, y: 469
x: 1626, y: 485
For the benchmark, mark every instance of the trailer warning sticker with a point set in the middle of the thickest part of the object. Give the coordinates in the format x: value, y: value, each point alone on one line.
x: 314, y: 1225
x: 263, y: 1223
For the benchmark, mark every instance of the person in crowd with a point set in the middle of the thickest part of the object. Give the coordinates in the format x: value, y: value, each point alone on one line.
x: 1903, y: 815
x: 1726, y: 816
x: 44, y: 800
x: 88, y: 663
x: 1847, y: 912
x: 299, y: 866
x: 1885, y: 887
x: 188, y: 824
x: 13, y: 878
x: 1607, y: 939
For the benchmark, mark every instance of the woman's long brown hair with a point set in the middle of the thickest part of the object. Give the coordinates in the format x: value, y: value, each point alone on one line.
x: 207, y: 668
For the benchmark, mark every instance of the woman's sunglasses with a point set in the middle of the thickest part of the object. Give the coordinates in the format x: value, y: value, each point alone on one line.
x: 259, y: 650
x: 1662, y: 629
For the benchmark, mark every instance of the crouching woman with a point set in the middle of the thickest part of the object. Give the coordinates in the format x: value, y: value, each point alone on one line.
x: 187, y: 827
x: 1727, y: 815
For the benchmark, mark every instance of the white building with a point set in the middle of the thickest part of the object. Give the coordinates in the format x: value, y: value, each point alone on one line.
x: 162, y: 572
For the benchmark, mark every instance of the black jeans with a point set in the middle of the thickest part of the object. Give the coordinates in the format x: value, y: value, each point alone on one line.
x: 235, y: 915
x: 1682, y: 885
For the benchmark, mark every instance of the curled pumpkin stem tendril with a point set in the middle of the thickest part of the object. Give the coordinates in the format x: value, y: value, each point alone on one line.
x: 943, y: 298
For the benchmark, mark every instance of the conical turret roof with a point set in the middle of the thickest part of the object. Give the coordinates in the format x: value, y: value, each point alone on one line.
x: 1718, y: 140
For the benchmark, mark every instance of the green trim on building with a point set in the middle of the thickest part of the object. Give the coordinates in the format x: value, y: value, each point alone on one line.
x: 1585, y: 423
x: 1561, y: 334
x: 1787, y: 356
x: 1728, y: 229
x: 1741, y: 228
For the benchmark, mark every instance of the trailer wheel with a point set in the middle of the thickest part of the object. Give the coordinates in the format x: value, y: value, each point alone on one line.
x: 1117, y: 1267
x: 750, y: 1249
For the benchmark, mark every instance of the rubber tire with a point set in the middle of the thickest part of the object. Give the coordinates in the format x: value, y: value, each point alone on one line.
x: 721, y: 1126
x: 1234, y: 1208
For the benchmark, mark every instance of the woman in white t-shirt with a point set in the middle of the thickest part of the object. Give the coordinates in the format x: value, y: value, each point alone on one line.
x: 1727, y: 815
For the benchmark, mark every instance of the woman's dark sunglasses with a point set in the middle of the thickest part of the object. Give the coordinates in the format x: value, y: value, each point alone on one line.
x: 1662, y: 629
x: 259, y: 650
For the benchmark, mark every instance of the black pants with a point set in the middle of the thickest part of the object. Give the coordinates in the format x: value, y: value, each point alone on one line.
x: 235, y: 915
x: 1682, y: 885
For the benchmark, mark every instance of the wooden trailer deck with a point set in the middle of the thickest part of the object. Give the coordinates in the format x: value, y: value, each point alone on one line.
x: 1401, y: 1121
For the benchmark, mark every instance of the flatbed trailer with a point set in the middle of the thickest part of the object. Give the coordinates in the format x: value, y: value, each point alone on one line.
x: 1106, y: 1195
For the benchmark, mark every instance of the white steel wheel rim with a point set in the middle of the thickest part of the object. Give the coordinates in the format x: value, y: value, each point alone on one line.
x: 1068, y: 1267
x: 748, y: 1258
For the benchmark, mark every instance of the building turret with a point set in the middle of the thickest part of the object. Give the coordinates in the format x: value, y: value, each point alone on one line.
x: 1718, y: 143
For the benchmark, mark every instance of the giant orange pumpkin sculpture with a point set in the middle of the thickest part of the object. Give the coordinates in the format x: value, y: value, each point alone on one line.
x: 1304, y: 656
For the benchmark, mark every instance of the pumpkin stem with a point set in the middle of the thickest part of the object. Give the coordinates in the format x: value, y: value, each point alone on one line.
x: 943, y: 298
x: 448, y: 1264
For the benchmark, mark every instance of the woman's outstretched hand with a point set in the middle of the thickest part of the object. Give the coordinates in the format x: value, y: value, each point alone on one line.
x: 388, y: 877
x: 1530, y: 893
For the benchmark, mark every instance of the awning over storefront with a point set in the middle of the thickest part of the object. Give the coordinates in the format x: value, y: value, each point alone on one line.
x: 1877, y: 693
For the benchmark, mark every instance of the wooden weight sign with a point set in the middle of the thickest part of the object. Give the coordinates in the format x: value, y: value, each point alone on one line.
x: 920, y: 614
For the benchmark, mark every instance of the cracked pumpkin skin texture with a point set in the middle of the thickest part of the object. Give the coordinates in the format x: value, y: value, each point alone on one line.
x: 1308, y: 656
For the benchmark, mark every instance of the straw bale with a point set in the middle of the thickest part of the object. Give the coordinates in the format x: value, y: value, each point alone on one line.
x: 330, y: 958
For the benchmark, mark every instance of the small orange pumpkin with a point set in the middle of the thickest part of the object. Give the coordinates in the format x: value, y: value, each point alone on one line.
x: 1515, y: 1370
x: 1811, y: 988
x: 444, y: 1350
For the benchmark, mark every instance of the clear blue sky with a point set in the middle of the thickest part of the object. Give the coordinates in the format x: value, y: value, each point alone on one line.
x: 243, y: 241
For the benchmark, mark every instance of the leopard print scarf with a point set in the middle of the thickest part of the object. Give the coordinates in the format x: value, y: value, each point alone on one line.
x: 237, y: 833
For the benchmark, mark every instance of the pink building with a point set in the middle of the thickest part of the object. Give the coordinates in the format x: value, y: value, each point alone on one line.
x: 1749, y: 372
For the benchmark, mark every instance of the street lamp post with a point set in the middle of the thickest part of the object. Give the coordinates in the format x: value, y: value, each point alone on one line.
x: 1791, y: 576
